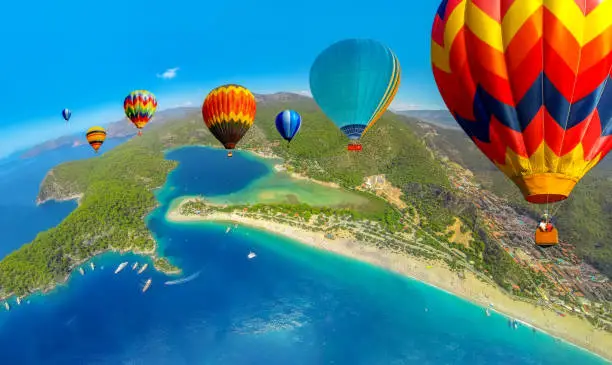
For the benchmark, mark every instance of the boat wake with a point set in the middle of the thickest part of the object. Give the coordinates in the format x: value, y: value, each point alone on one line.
x: 183, y: 280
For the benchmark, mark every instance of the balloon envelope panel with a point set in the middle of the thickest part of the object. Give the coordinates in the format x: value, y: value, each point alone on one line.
x: 528, y: 81
x: 353, y: 82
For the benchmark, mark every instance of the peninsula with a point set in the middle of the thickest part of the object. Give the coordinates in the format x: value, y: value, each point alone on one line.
x: 437, y: 221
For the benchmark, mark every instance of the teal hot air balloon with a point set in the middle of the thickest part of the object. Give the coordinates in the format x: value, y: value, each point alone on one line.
x: 353, y: 82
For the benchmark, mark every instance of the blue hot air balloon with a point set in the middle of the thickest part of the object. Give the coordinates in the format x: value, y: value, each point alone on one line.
x: 66, y: 113
x: 288, y: 123
x: 353, y: 82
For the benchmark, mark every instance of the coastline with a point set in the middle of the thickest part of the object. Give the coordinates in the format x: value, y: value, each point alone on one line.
x: 571, y: 329
x: 282, y: 167
x: 77, y: 197
x: 151, y: 254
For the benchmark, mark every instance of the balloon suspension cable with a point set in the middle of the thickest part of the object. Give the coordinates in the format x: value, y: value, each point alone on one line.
x: 557, y: 207
x: 546, y: 216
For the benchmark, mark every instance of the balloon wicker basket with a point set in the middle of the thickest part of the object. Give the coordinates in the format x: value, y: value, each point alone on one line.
x: 230, y: 154
x: 546, y: 239
x: 354, y: 147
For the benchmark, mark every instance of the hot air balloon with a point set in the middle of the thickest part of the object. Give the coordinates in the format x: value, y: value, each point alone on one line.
x: 288, y: 123
x: 66, y: 113
x: 228, y: 112
x: 353, y: 82
x: 140, y: 106
x: 95, y: 137
x: 528, y: 85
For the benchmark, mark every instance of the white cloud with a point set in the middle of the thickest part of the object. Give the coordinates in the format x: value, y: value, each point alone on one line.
x: 398, y: 105
x: 304, y: 92
x: 168, y: 74
x: 183, y: 104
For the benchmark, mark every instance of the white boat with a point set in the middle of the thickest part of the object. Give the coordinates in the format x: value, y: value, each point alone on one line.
x: 134, y: 266
x: 228, y: 229
x: 143, y: 268
x: 147, y: 285
x: 92, y: 265
x: 7, y: 306
x: 18, y: 300
x: 487, y: 312
x: 121, y: 267
x: 81, y: 271
x: 251, y: 255
x: 236, y: 225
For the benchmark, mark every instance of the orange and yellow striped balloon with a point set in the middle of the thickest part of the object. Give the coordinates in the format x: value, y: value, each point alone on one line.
x: 228, y: 112
x: 95, y: 137
x: 528, y: 81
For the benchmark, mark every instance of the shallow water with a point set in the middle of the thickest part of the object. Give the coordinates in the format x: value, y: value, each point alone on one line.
x: 292, y: 304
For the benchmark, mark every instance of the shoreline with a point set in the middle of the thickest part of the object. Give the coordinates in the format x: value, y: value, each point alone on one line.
x: 151, y: 254
x: 77, y: 197
x: 283, y: 167
x: 573, y: 330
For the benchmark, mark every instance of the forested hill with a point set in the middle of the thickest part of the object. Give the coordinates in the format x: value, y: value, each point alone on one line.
x: 583, y: 219
x: 118, y: 189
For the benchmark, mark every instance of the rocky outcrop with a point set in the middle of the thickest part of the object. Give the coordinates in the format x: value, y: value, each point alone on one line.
x: 52, y: 189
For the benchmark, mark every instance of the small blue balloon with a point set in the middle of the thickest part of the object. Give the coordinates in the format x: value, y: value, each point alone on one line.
x: 66, y: 113
x: 288, y: 123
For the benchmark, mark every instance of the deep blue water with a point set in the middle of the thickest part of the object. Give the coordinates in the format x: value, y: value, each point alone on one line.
x: 20, y: 218
x: 290, y: 305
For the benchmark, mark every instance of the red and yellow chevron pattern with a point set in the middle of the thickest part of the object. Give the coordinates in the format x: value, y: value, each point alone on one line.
x: 527, y: 80
x: 228, y: 112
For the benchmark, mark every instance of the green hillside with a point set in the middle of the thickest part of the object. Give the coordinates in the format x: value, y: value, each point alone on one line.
x: 118, y: 189
x: 583, y: 219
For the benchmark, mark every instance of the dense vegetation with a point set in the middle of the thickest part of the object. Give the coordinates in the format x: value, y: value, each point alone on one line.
x: 583, y: 219
x: 118, y: 186
x: 117, y: 195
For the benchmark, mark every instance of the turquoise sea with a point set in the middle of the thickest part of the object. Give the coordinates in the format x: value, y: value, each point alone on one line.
x: 291, y: 305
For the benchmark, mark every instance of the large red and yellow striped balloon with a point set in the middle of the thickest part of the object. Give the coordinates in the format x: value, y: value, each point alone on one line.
x: 228, y: 112
x: 527, y: 80
x: 95, y: 137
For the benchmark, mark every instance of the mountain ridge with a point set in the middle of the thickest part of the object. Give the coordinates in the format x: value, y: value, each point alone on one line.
x: 123, y: 128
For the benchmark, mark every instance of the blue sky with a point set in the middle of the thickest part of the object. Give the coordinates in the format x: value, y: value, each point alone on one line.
x: 87, y: 55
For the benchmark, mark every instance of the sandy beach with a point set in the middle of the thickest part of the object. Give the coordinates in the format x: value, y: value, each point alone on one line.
x: 570, y: 328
